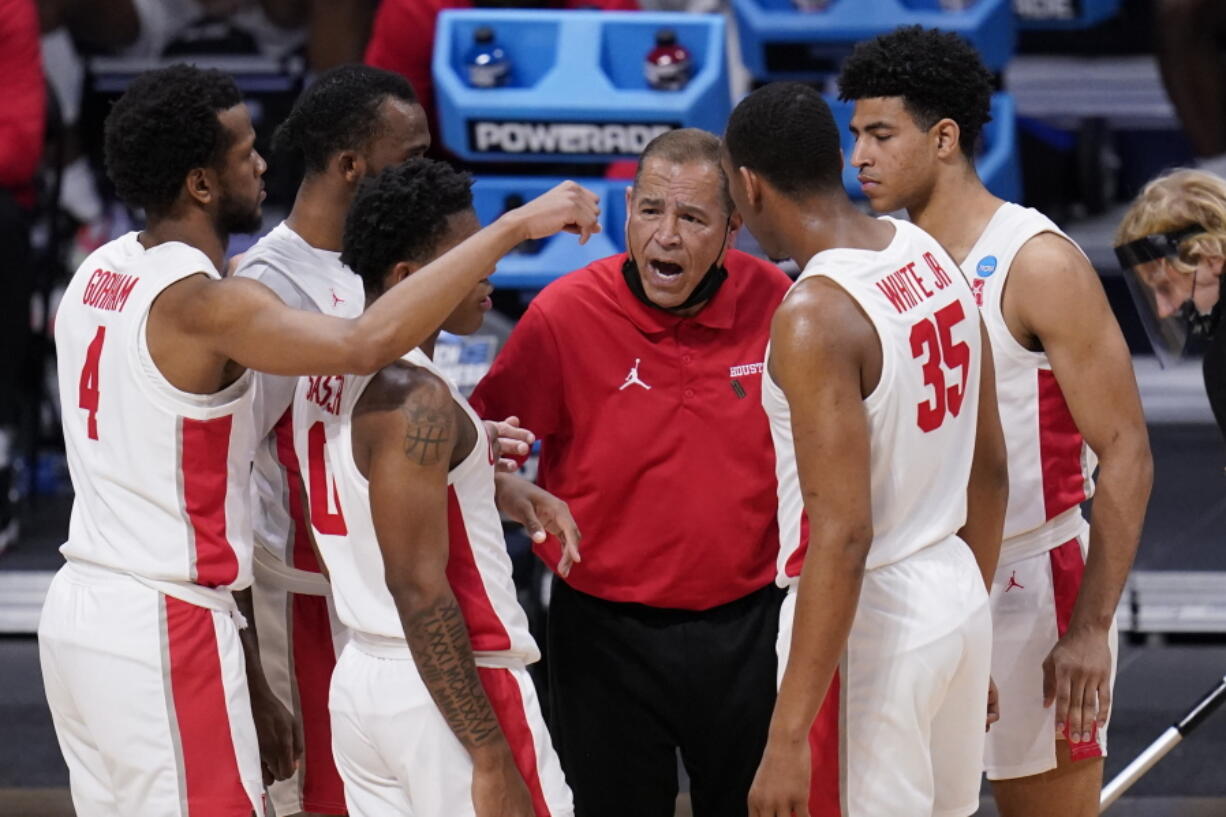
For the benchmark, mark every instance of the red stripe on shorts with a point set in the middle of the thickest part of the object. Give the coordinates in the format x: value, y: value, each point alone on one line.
x: 301, y: 554
x: 314, y: 660
x: 204, y: 466
x: 485, y: 629
x: 824, y: 745
x: 1067, y: 568
x: 210, y: 765
x: 1060, y: 449
x: 508, y: 704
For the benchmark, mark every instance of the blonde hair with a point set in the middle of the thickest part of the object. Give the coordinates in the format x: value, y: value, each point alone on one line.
x: 1176, y: 200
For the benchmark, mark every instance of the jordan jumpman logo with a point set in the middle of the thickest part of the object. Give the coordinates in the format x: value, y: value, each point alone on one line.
x: 633, y: 379
x: 1013, y: 582
x: 336, y: 299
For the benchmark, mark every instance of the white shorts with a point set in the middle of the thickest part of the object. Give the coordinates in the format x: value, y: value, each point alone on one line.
x: 398, y: 756
x: 902, y: 728
x: 1032, y: 601
x: 300, y: 638
x: 149, y: 699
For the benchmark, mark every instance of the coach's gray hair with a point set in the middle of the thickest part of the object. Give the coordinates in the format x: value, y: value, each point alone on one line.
x: 688, y: 146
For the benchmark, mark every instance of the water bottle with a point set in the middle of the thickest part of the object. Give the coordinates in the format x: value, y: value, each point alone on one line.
x: 488, y: 65
x: 668, y: 64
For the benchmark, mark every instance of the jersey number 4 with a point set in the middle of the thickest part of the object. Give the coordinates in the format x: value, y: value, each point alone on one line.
x: 932, y: 336
x: 87, y: 391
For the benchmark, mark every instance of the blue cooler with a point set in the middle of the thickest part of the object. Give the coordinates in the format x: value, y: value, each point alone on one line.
x: 576, y: 90
x: 780, y: 42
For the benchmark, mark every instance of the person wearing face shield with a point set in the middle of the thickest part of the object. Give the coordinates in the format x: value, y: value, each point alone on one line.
x: 641, y: 374
x: 1171, y: 245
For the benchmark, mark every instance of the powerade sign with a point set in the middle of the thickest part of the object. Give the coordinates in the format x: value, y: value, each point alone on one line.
x: 1047, y: 9
x: 515, y: 137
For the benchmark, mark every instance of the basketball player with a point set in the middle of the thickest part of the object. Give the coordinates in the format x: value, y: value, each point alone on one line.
x: 349, y: 124
x: 144, y: 667
x: 433, y: 711
x: 879, y: 399
x: 1066, y: 392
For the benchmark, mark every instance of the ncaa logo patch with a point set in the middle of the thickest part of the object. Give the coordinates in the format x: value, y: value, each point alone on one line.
x: 986, y: 266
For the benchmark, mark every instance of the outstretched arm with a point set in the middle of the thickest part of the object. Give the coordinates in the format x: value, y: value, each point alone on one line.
x: 1055, y: 297
x: 242, y: 320
x: 401, y: 407
x: 819, y: 340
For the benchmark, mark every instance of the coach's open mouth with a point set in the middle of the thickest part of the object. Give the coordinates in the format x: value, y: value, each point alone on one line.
x: 667, y: 269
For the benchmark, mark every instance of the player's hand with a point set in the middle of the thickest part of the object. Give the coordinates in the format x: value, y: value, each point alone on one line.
x: 567, y: 207
x: 781, y: 786
x: 511, y: 443
x: 1077, y: 679
x: 541, y: 513
x: 278, y: 734
x: 993, y: 705
x: 499, y: 790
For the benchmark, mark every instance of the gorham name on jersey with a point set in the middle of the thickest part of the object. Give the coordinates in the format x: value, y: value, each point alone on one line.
x: 161, y: 476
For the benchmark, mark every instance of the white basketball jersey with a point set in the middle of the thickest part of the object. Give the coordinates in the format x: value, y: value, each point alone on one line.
x: 162, y: 477
x: 1050, y: 466
x: 478, y: 567
x: 922, y: 415
x: 305, y: 278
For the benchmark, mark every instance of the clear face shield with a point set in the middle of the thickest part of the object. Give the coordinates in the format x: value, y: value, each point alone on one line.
x: 1162, y: 295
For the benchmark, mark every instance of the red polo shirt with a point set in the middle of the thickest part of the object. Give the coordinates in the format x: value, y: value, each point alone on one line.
x: 652, y: 429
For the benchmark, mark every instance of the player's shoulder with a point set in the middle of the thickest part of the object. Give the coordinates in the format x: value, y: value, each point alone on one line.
x: 1050, y: 258
x: 816, y: 306
x: 273, y: 252
x: 403, y: 384
x: 819, y: 324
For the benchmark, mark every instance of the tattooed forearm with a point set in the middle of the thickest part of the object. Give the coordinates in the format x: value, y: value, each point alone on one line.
x: 438, y: 639
x: 430, y: 429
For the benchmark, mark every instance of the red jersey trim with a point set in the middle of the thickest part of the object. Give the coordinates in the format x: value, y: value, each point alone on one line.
x: 301, y: 555
x: 204, y: 466
x: 508, y: 705
x: 214, y: 787
x: 1060, y: 449
x: 485, y: 629
x: 314, y: 659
